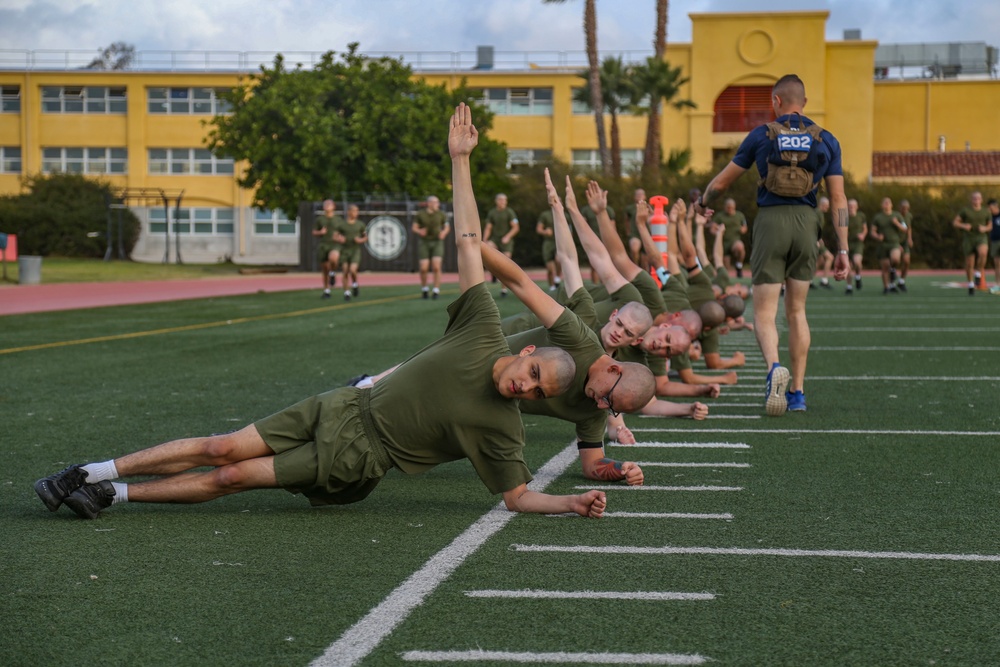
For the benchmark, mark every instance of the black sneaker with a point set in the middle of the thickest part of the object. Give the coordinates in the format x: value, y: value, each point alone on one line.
x: 503, y: 293
x: 355, y: 290
x: 739, y: 270
x: 972, y: 291
x: 347, y: 295
x: 90, y: 499
x: 326, y: 294
x: 857, y: 282
x: 54, y: 488
x: 424, y: 294
x: 901, y: 286
x: 435, y: 295
x: 812, y: 285
x: 825, y: 284
x: 849, y: 290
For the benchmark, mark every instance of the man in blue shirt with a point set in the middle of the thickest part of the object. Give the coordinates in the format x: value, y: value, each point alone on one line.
x: 784, y: 237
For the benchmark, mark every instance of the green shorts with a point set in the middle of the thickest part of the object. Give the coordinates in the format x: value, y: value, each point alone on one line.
x: 906, y: 247
x: 324, y: 250
x: 430, y: 248
x: 995, y: 249
x: 970, y: 243
x: 548, y: 251
x: 885, y: 250
x: 506, y: 248
x: 856, y: 248
x: 784, y: 244
x: 350, y: 255
x: 326, y: 447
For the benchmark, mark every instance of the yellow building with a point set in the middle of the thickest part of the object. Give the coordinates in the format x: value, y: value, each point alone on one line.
x: 145, y: 129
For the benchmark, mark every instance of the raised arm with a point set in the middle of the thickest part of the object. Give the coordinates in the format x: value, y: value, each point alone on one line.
x: 598, y: 255
x: 609, y: 235
x: 545, y: 308
x: 462, y: 138
x: 565, y: 248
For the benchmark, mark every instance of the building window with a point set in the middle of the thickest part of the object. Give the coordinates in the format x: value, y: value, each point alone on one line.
x: 527, y: 156
x: 10, y: 159
x: 197, y: 161
x: 207, y: 101
x: 272, y: 223
x: 742, y: 108
x: 10, y: 99
x: 83, y: 99
x: 85, y: 160
x: 515, y: 101
x: 591, y: 159
x: 579, y: 108
x: 199, y: 221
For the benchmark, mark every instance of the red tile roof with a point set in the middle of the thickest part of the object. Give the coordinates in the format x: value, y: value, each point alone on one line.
x: 967, y: 163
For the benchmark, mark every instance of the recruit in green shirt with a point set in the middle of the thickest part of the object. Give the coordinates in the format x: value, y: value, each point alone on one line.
x: 432, y: 222
x: 884, y: 223
x: 572, y: 334
x: 442, y: 405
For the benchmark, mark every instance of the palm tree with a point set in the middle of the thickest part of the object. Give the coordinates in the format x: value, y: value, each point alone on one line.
x: 651, y: 156
x: 656, y: 81
x: 590, y: 31
x: 617, y: 93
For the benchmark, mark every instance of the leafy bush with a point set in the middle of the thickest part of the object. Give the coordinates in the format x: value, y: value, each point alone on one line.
x: 64, y: 215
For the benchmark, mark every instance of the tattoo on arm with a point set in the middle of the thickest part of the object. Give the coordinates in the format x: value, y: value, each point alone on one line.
x: 840, y: 217
x: 471, y: 235
x: 609, y: 469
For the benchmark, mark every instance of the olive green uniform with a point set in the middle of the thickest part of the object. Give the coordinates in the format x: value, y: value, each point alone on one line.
x: 733, y: 228
x: 548, y: 242
x: 351, y: 253
x: 779, y: 233
x: 431, y: 246
x: 905, y: 241
x: 439, y: 405
x: 330, y: 223
x: 884, y: 224
x: 675, y: 296
x: 973, y: 237
x: 574, y: 335
x: 855, y: 225
x: 501, y: 221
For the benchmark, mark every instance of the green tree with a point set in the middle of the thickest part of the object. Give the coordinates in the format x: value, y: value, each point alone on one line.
x: 651, y: 156
x: 656, y: 81
x: 617, y: 91
x: 350, y: 125
x: 64, y: 215
x: 594, y: 78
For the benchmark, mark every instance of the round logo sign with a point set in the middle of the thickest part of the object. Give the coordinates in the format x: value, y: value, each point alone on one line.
x: 386, y: 237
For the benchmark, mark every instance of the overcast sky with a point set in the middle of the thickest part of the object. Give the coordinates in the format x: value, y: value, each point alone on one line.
x: 445, y: 25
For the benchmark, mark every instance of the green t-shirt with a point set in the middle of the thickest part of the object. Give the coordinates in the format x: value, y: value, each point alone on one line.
x: 626, y: 294
x: 432, y: 222
x: 572, y: 334
x: 674, y: 291
x: 545, y: 220
x: 884, y: 224
x: 908, y: 219
x: 351, y: 232
x: 855, y: 225
x: 976, y: 218
x: 501, y: 221
x: 650, y: 293
x: 733, y: 224
x: 441, y: 404
x: 331, y: 223
x: 580, y: 303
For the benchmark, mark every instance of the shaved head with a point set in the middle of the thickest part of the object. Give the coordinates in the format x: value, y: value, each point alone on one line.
x: 791, y: 90
x: 638, y: 314
x: 559, y: 365
x: 712, y: 314
x: 636, y: 387
x: 733, y: 305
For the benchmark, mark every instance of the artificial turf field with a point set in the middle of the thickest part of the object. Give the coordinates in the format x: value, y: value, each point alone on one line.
x: 863, y: 532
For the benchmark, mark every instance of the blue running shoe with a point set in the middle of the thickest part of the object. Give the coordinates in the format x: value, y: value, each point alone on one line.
x: 775, y: 403
x: 796, y: 401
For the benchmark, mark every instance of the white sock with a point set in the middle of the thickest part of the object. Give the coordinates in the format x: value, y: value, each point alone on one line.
x: 557, y: 280
x: 354, y: 284
x: 436, y: 290
x: 121, y: 493
x: 98, y: 472
x: 424, y: 289
x: 364, y: 384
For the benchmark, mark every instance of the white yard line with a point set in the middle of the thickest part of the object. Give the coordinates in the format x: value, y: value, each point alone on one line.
x: 903, y: 378
x: 361, y: 639
x: 556, y: 658
x: 907, y: 348
x: 711, y: 416
x: 589, y: 595
x: 683, y: 445
x: 736, y: 551
x: 799, y: 431
x: 667, y: 464
x: 651, y: 487
x: 908, y: 329
x: 653, y: 515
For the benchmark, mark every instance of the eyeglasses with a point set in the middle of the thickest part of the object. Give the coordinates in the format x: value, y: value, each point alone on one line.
x: 607, y: 397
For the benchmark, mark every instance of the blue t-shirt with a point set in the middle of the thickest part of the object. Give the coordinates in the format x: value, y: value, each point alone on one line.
x: 756, y: 147
x: 995, y: 229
